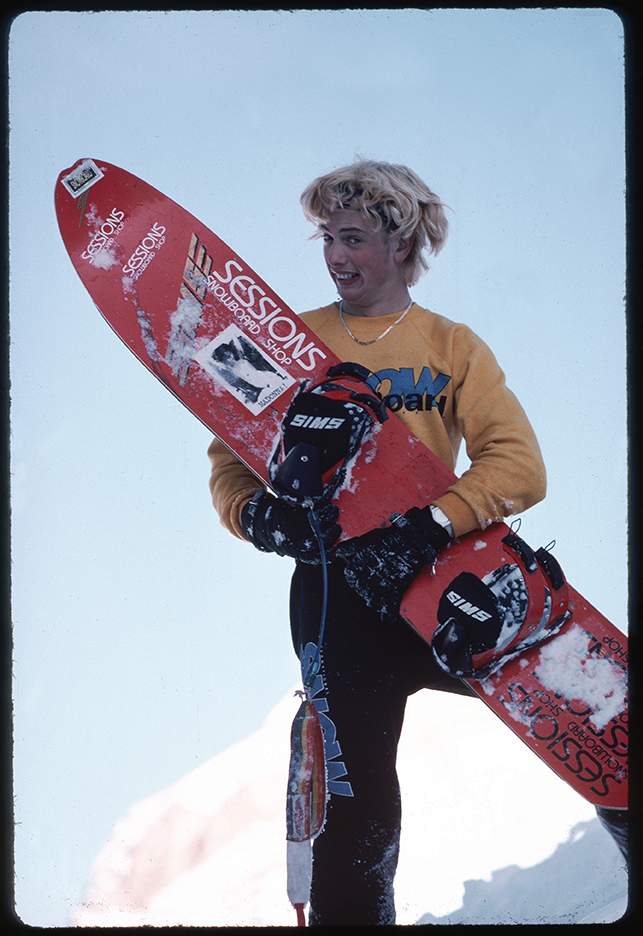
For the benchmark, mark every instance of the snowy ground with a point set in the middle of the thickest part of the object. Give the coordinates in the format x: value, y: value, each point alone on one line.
x: 490, y: 835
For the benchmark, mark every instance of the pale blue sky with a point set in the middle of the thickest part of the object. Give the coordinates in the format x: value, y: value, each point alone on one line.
x: 147, y: 639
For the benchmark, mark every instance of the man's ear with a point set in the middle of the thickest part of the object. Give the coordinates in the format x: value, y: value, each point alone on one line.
x: 403, y: 248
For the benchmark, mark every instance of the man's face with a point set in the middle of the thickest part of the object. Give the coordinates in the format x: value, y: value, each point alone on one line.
x: 365, y: 264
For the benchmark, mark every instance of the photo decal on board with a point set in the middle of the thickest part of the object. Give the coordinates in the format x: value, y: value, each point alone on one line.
x: 244, y: 369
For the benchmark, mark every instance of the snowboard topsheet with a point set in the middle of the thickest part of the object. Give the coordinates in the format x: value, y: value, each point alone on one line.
x: 215, y: 334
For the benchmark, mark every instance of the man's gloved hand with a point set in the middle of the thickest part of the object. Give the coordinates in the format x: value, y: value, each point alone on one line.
x: 381, y: 564
x: 273, y: 525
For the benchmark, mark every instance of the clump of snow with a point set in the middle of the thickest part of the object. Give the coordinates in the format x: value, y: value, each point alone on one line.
x: 104, y: 259
x: 489, y: 683
x: 598, y: 682
x: 92, y: 217
x: 147, y: 334
x: 479, y: 544
x: 186, y: 316
x: 371, y: 452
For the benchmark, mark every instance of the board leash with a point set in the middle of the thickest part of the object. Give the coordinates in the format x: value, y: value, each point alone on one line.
x: 306, y: 803
x: 315, y: 663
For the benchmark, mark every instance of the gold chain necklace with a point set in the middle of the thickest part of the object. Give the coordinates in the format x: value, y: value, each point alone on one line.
x: 379, y: 337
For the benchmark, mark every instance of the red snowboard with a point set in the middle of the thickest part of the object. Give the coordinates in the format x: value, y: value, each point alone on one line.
x: 225, y: 345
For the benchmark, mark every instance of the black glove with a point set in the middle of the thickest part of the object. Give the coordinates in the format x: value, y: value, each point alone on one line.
x: 272, y: 525
x: 382, y: 563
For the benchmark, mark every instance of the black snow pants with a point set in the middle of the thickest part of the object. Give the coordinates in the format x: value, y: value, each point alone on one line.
x: 368, y: 670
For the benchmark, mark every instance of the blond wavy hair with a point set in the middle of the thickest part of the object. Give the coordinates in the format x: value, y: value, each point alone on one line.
x: 393, y: 197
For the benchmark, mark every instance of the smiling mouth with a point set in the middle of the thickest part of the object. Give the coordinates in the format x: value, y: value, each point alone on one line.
x: 344, y: 277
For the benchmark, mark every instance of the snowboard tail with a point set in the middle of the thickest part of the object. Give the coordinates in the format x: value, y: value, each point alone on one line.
x: 224, y: 344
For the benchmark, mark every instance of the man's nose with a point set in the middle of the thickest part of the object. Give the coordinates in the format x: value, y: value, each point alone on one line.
x: 335, y: 255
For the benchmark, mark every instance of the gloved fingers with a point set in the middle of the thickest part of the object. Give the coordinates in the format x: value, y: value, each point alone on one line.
x: 274, y: 525
x: 380, y: 580
x: 380, y: 574
x: 331, y: 534
x: 345, y: 550
x: 327, y: 512
x: 367, y: 544
x: 327, y: 517
x: 383, y: 599
x: 311, y: 554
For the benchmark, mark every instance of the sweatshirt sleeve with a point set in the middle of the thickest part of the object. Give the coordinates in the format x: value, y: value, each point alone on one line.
x: 232, y: 485
x: 507, y: 472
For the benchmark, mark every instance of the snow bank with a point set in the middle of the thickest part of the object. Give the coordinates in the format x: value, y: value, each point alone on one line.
x: 490, y: 834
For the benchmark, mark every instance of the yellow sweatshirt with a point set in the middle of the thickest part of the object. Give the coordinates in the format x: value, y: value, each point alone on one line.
x: 445, y: 385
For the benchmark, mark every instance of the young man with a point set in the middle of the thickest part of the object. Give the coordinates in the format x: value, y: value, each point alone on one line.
x: 378, y: 222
